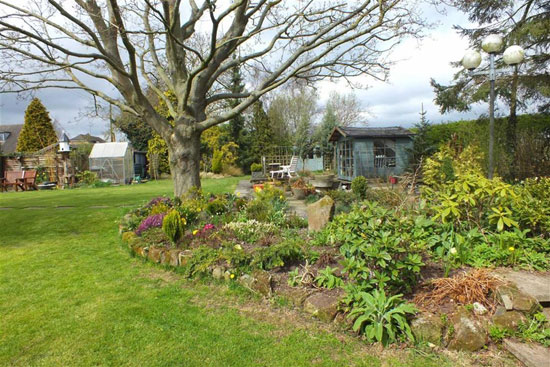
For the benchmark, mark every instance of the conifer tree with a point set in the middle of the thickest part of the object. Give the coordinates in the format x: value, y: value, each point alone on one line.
x: 38, y: 131
x: 422, y: 147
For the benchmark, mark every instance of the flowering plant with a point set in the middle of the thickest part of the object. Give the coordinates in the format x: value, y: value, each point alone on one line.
x: 152, y: 221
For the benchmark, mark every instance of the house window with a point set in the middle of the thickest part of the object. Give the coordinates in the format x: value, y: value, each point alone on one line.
x: 4, y: 137
x: 384, y: 153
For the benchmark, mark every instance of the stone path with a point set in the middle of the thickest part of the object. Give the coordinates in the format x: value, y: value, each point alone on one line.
x: 244, y: 189
x: 536, y: 285
x: 532, y: 355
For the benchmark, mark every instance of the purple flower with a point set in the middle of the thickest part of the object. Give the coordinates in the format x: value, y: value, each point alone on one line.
x: 160, y: 199
x: 150, y: 222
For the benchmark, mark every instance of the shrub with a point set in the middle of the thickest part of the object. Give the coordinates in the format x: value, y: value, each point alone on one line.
x: 159, y: 208
x: 380, y: 247
x: 152, y: 221
x: 256, y: 167
x: 232, y: 170
x: 284, y: 253
x: 217, y: 206
x: 174, y: 226
x: 87, y: 177
x: 381, y: 318
x: 359, y: 187
x: 217, y: 161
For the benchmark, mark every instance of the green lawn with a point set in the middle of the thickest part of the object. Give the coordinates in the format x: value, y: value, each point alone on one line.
x: 70, y: 295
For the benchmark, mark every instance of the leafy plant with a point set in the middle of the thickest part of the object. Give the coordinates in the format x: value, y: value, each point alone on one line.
x: 359, y: 187
x: 87, y: 177
x: 256, y: 167
x: 327, y: 279
x: 281, y: 254
x: 174, y: 226
x: 381, y: 318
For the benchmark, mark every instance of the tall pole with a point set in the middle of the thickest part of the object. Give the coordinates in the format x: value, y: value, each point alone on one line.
x: 491, y: 115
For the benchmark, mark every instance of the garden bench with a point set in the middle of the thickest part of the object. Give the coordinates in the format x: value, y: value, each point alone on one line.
x: 12, y: 178
x: 29, y: 180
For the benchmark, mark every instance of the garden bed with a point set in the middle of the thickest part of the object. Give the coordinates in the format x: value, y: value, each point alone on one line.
x: 385, y: 256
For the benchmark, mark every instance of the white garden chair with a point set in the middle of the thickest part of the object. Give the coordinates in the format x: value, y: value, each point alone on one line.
x: 289, y: 170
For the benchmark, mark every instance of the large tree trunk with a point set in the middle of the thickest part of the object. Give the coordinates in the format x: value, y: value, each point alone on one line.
x: 185, y: 162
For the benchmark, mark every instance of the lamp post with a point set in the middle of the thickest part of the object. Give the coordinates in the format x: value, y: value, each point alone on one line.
x: 513, y: 55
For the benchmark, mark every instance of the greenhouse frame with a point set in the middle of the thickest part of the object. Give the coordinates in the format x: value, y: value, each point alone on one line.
x: 113, y: 162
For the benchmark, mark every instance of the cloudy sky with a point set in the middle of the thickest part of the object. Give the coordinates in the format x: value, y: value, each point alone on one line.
x: 395, y: 103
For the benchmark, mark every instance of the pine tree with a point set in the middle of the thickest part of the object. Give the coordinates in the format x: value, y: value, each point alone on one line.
x: 329, y: 122
x: 260, y: 136
x: 422, y: 146
x: 38, y: 131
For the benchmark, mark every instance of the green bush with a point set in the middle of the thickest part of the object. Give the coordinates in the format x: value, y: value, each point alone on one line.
x: 217, y: 161
x: 327, y: 279
x: 87, y: 177
x: 256, y: 167
x: 173, y: 226
x: 217, y: 206
x: 381, y: 247
x: 359, y: 187
x: 285, y: 253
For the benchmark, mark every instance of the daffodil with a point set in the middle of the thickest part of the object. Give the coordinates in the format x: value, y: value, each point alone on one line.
x: 232, y: 276
x: 238, y: 247
x: 195, y: 232
x: 511, y: 249
x: 281, y: 197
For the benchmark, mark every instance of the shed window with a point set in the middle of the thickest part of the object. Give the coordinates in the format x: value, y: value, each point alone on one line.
x: 4, y: 137
x: 346, y: 158
x: 384, y: 153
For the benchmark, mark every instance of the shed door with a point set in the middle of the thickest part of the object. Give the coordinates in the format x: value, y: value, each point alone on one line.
x: 345, y: 159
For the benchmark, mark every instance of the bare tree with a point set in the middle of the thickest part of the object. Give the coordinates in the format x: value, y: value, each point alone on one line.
x: 184, y: 50
x: 347, y: 108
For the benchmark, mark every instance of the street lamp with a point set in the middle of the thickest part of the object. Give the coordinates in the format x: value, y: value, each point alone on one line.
x: 492, y: 44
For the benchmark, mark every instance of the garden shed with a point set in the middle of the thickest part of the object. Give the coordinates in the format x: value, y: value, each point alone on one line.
x: 113, y: 162
x: 373, y: 152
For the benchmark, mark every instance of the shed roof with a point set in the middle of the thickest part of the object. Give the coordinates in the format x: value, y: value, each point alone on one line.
x: 10, y: 145
x: 370, y: 132
x: 109, y: 150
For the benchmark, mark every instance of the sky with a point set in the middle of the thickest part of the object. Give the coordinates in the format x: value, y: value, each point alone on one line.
x: 395, y: 103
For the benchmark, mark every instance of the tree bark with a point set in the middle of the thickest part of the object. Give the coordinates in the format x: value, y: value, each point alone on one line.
x: 184, y: 151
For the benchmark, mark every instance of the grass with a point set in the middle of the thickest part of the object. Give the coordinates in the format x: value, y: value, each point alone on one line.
x: 72, y: 296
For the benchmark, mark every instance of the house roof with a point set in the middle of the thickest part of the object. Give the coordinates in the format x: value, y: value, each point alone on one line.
x: 370, y: 132
x: 10, y: 145
x: 109, y: 150
x: 88, y: 138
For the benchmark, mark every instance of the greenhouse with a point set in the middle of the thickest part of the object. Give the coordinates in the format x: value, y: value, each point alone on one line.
x: 113, y: 162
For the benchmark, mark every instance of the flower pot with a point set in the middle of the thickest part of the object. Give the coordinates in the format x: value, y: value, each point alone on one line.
x: 299, y: 194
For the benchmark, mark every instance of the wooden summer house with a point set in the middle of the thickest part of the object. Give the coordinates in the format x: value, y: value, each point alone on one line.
x: 373, y: 152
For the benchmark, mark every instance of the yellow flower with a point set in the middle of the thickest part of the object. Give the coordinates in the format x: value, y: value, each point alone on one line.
x: 238, y: 193
x: 511, y: 249
x: 281, y: 197
x: 195, y: 232
x: 232, y: 276
x: 238, y: 247
x: 363, y: 235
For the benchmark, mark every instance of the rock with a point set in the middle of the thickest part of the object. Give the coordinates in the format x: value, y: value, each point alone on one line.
x: 154, y: 254
x: 217, y: 272
x: 428, y: 328
x: 479, y: 309
x: 320, y: 213
x: 296, y: 295
x: 509, y: 320
x: 174, y: 256
x: 532, y: 355
x: 184, y: 256
x: 262, y: 283
x: 246, y: 281
x: 534, y: 284
x: 322, y: 306
x: 501, y: 310
x: 467, y: 333
x: 514, y: 299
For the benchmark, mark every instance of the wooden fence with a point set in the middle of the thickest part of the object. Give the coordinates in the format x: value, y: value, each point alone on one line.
x: 50, y: 163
